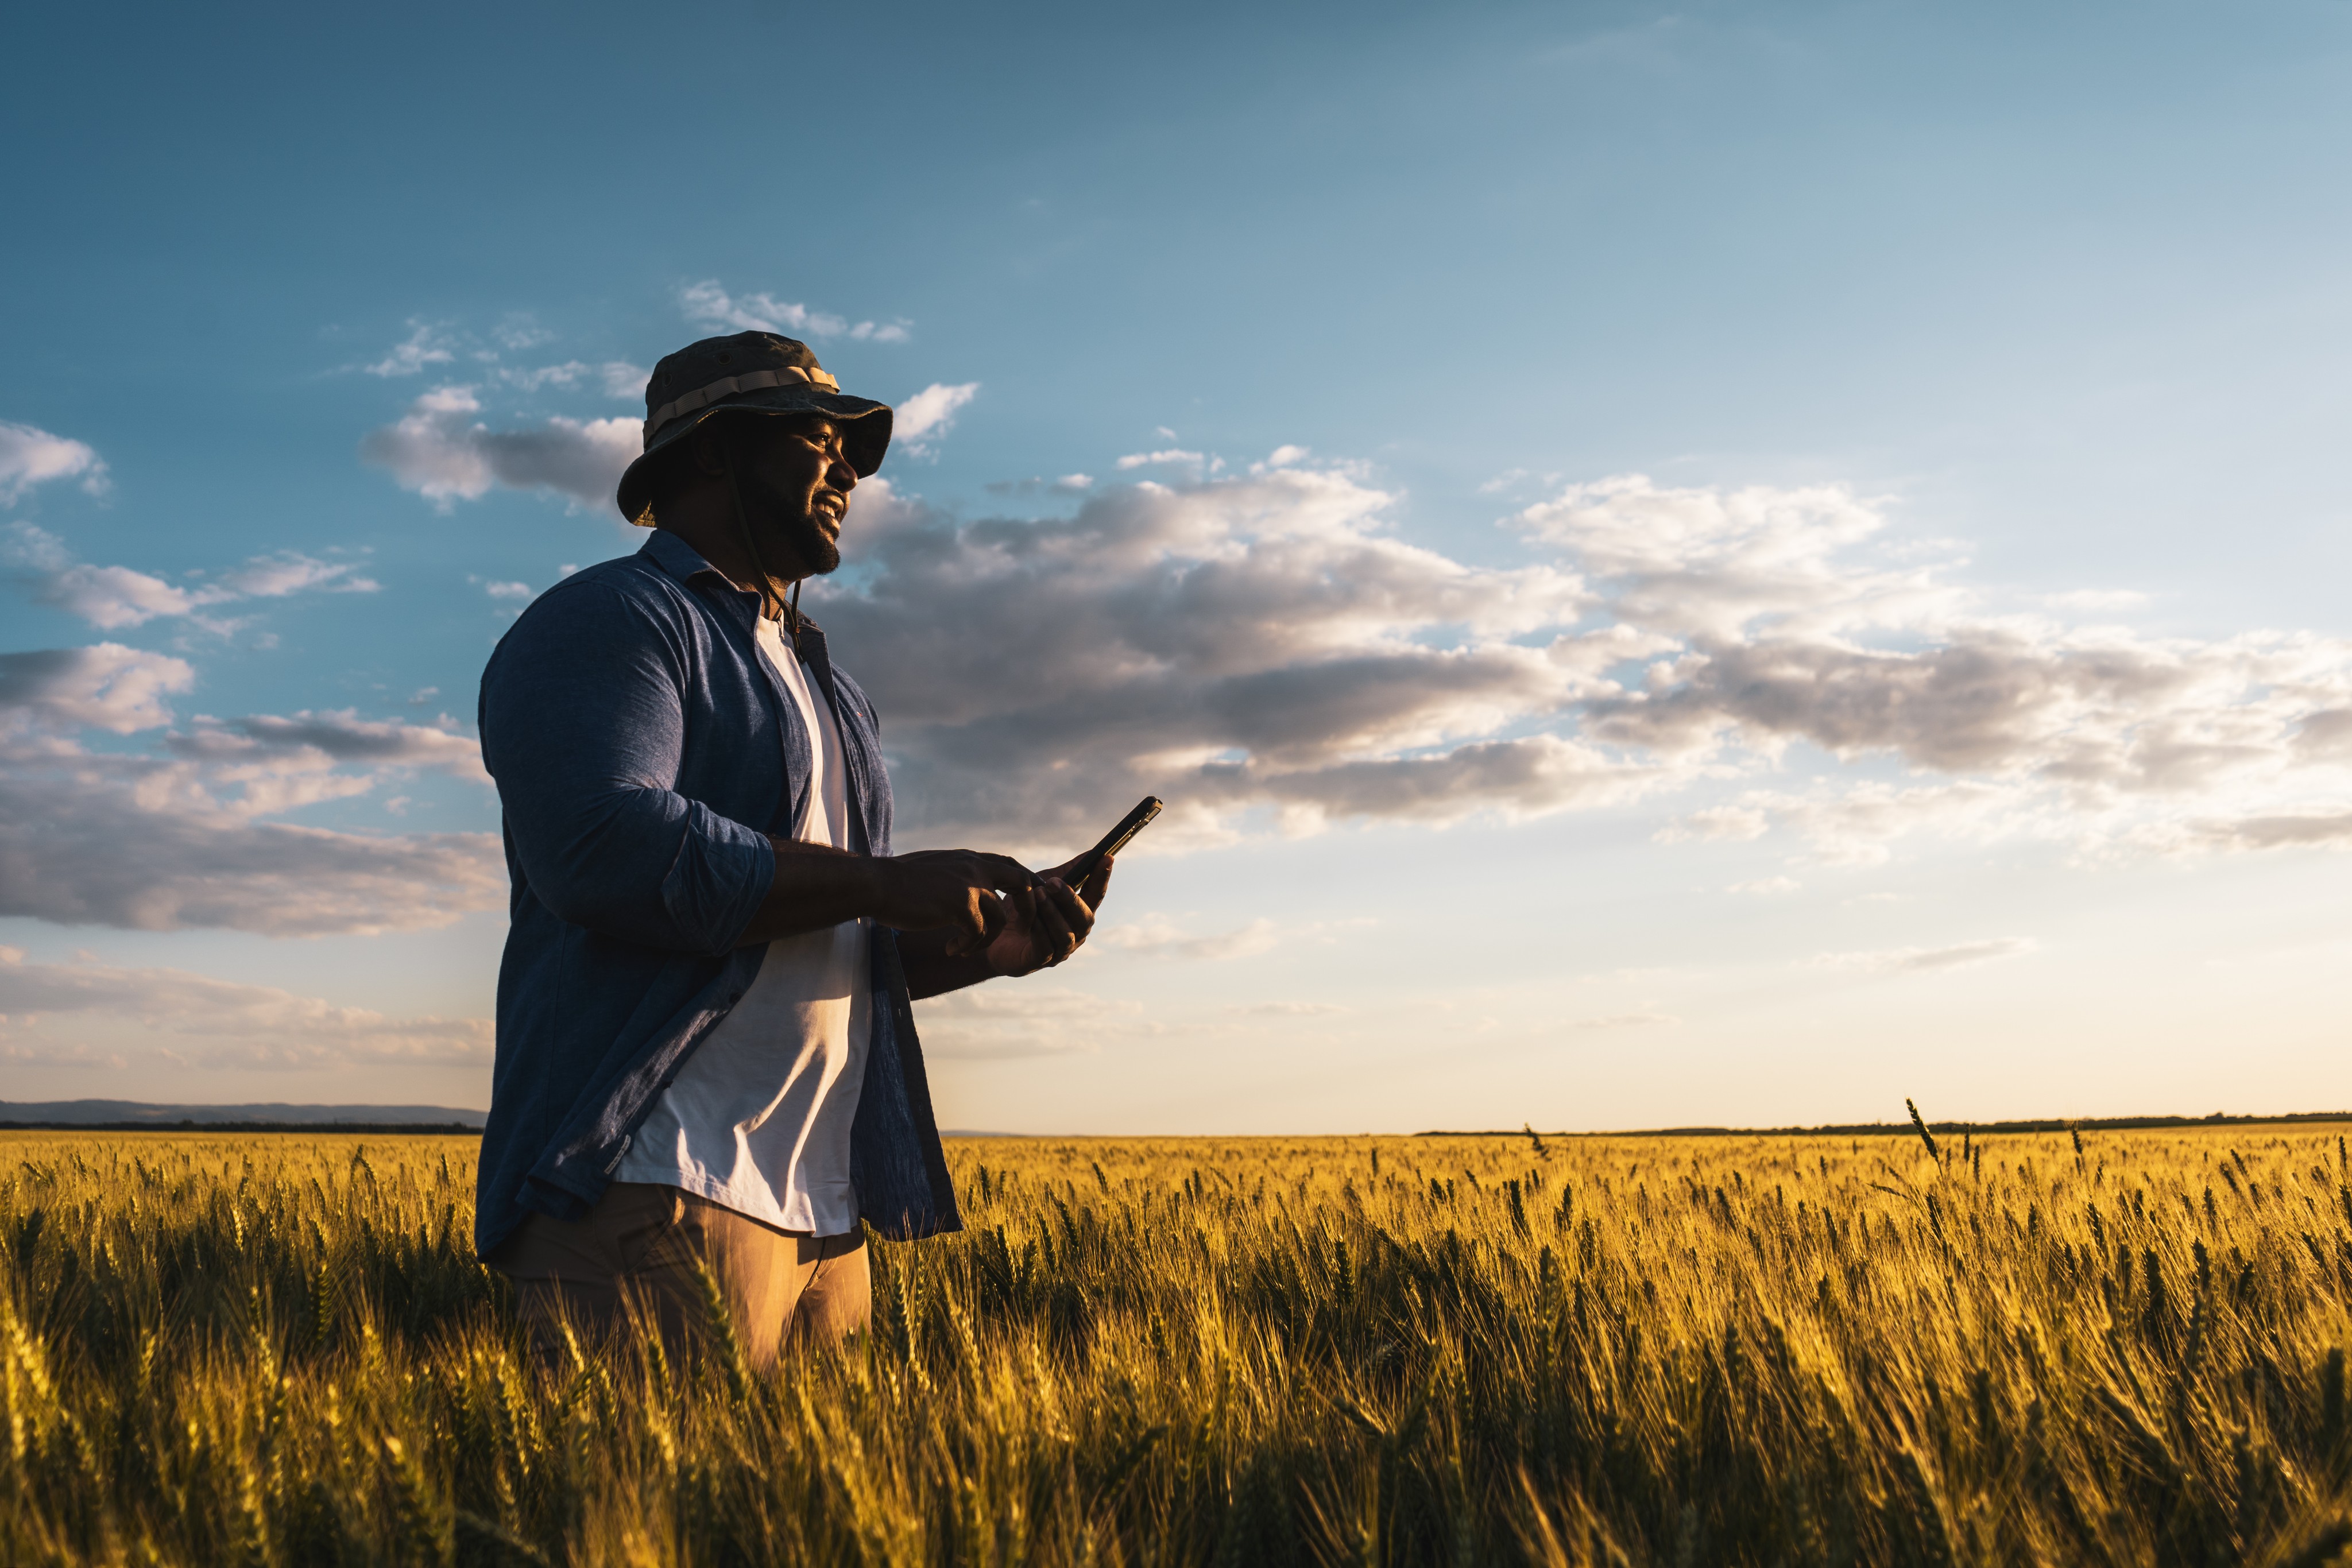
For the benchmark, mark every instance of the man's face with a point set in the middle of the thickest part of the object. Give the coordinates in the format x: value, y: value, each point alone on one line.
x: 796, y: 485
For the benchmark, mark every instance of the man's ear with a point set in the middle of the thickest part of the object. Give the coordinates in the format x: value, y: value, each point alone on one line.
x: 704, y: 450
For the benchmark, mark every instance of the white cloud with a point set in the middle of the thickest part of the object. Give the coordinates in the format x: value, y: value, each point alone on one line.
x: 427, y: 344
x: 1512, y: 479
x: 1022, y: 1018
x: 709, y: 304
x: 443, y: 451
x: 931, y: 411
x: 431, y: 344
x: 331, y: 738
x: 507, y: 590
x: 176, y: 837
x: 31, y: 456
x: 613, y: 378
x: 112, y: 598
x: 109, y: 687
x: 221, y: 1023
x: 1908, y: 960
x: 1175, y: 454
x: 1766, y: 886
x: 1716, y: 564
x: 1068, y: 485
x: 1858, y: 823
x: 1717, y: 822
x: 520, y: 332
x: 623, y: 379
x: 1155, y: 937
x: 567, y: 374
x: 289, y: 571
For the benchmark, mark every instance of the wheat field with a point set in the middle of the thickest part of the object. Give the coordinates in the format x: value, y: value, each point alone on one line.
x: 278, y: 1349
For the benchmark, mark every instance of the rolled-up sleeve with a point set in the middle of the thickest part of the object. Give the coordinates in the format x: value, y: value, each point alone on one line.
x: 584, y: 727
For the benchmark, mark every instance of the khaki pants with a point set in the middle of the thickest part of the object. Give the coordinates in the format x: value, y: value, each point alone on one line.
x: 639, y: 1247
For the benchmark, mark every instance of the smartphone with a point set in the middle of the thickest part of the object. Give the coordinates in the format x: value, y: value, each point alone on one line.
x: 1118, y: 839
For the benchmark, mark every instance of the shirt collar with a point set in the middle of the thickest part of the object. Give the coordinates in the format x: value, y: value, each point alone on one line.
x: 684, y: 563
x: 679, y: 559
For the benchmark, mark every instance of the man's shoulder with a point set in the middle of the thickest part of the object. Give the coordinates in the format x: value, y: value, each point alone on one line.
x: 624, y: 574
x: 629, y: 601
x: 624, y: 582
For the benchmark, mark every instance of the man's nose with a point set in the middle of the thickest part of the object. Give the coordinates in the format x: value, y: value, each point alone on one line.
x: 841, y: 476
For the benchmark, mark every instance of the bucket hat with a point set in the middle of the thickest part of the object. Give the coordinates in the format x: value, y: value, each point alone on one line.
x: 759, y: 372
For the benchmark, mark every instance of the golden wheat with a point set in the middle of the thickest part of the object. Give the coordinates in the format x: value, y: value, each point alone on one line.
x: 1741, y: 1350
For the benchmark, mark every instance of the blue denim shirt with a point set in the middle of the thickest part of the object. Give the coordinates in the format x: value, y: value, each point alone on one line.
x: 644, y: 751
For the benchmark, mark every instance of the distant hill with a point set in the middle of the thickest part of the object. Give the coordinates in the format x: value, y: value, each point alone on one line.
x: 138, y: 1114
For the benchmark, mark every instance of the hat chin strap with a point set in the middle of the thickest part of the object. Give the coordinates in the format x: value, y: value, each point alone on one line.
x: 791, y: 609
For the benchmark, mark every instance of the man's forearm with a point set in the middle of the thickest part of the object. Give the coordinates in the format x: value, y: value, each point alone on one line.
x: 815, y: 885
x: 950, y: 891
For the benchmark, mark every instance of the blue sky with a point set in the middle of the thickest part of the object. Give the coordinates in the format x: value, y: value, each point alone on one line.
x: 1729, y: 564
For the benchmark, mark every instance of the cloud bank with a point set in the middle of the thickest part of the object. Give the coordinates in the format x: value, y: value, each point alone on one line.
x: 1788, y: 629
x: 220, y: 1023
x: 1255, y: 646
x: 1261, y: 650
x: 177, y: 836
x: 112, y: 598
x: 444, y: 452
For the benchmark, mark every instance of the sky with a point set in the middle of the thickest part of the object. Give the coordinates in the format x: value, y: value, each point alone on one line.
x: 1723, y: 565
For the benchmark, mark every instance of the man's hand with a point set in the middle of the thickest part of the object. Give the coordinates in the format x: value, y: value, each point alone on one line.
x: 1044, y: 925
x: 954, y: 889
x: 1049, y: 923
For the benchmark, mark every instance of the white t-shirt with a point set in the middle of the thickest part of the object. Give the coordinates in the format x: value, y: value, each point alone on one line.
x: 758, y: 1119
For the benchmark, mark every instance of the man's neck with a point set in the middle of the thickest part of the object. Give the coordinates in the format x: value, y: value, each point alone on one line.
x: 725, y: 553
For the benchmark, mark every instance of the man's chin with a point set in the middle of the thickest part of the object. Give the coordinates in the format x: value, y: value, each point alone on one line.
x: 816, y: 551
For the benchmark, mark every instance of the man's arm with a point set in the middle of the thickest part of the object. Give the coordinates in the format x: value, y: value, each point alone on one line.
x: 950, y: 892
x: 584, y: 727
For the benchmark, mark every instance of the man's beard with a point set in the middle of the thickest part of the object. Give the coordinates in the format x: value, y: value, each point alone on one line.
x: 805, y: 538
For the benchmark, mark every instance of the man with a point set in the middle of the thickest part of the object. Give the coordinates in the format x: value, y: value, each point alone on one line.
x: 707, y: 1064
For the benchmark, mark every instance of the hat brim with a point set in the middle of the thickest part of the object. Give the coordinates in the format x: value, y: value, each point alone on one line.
x: 865, y: 434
